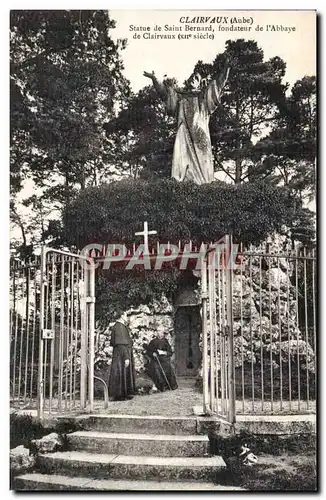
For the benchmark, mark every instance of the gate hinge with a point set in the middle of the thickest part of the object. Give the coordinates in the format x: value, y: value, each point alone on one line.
x: 90, y: 300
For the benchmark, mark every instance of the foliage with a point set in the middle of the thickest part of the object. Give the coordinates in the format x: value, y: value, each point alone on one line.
x: 285, y: 462
x: 118, y: 290
x: 273, y: 444
x: 32, y: 222
x: 23, y: 429
x: 285, y: 474
x: 65, y: 76
x: 248, y: 106
x: 291, y: 145
x: 149, y: 135
x: 114, y: 212
x: 290, y: 152
x: 66, y: 79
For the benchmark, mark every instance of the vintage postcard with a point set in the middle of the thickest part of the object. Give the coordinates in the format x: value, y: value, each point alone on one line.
x: 163, y: 285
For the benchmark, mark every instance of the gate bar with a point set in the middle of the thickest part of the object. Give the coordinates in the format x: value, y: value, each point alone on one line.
x: 229, y: 313
x: 83, y: 340
x: 40, y: 381
x: 28, y: 298
x: 61, y: 336
x: 53, y: 292
x: 211, y: 293
x: 204, y: 328
x: 33, y: 337
x: 91, y: 336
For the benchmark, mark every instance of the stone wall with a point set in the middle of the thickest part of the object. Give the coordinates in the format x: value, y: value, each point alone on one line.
x: 144, y: 323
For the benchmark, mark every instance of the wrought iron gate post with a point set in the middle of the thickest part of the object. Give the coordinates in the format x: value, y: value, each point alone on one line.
x: 229, y: 318
x: 91, y: 300
x: 84, y: 339
x: 212, y: 331
x: 40, y: 381
x: 204, y: 330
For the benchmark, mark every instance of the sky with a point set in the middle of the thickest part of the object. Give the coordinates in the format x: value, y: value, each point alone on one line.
x: 176, y: 58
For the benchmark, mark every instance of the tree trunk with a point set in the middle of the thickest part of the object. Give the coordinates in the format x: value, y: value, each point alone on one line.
x: 238, y: 161
x: 238, y: 169
x: 82, y: 180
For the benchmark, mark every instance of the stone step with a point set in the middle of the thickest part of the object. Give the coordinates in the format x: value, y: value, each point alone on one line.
x: 139, y: 444
x: 105, y: 466
x: 45, y: 482
x: 144, y: 424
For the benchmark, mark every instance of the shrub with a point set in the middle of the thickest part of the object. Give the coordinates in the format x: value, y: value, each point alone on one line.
x: 23, y: 429
x: 177, y: 211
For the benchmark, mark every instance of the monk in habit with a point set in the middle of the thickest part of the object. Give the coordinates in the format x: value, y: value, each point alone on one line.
x: 159, y: 368
x: 122, y: 375
x: 192, y: 153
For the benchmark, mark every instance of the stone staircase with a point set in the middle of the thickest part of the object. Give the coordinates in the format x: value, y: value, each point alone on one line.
x: 126, y: 453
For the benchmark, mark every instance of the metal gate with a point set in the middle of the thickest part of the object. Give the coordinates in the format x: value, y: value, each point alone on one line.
x: 217, y: 328
x: 52, y: 318
x: 66, y: 349
x: 259, y: 330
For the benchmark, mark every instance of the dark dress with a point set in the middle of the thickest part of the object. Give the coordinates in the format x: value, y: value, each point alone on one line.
x: 154, y: 369
x: 122, y: 378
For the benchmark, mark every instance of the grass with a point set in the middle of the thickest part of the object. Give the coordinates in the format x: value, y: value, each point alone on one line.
x: 275, y: 473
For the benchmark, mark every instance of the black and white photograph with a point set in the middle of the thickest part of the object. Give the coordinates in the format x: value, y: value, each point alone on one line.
x: 163, y: 290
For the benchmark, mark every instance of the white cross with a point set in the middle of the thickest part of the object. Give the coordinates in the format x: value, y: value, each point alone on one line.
x: 145, y: 233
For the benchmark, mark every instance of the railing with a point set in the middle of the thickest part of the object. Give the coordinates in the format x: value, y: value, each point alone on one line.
x: 274, y: 311
x: 24, y: 330
x: 259, y: 331
x: 52, y: 320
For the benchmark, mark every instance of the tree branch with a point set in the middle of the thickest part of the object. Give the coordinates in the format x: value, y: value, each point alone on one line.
x: 226, y: 172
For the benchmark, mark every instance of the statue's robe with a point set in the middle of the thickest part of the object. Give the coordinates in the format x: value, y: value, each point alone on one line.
x: 155, y: 370
x: 122, y: 378
x: 192, y: 153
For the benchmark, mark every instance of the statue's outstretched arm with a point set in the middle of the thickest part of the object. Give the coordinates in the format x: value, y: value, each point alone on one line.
x: 215, y: 88
x: 160, y: 88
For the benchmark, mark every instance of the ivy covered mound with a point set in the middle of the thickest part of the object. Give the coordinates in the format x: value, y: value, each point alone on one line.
x: 177, y: 211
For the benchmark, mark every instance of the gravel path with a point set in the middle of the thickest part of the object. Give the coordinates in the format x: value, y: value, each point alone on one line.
x: 179, y: 403
x: 170, y: 403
